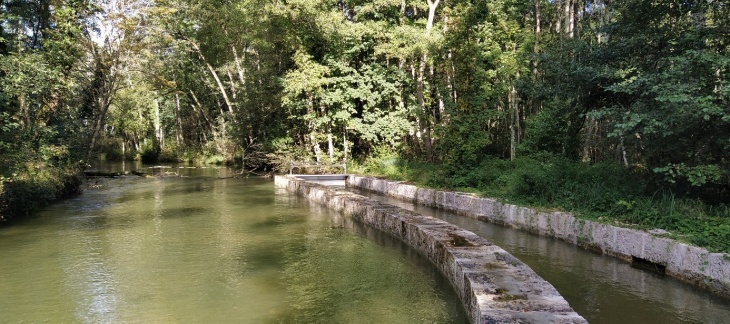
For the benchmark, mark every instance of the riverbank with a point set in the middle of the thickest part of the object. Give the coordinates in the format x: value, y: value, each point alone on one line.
x: 29, y: 189
x: 649, y: 249
x: 630, y: 196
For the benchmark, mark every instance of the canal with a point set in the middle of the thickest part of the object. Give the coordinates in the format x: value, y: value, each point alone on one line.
x: 602, y: 289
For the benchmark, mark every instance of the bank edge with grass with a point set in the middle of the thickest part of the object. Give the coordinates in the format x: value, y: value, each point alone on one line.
x: 698, y: 215
x: 25, y: 192
x: 685, y: 262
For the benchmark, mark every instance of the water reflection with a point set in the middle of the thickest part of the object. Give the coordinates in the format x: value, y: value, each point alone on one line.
x: 153, y: 250
x: 182, y: 169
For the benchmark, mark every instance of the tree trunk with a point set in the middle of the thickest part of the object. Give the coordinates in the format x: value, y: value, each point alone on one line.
x: 424, y: 127
x: 232, y: 82
x: 212, y: 71
x: 431, y: 13
x: 202, y: 111
x: 312, y: 131
x: 451, y: 78
x: 423, y: 122
x: 330, y: 144
x: 514, y: 126
x: 315, y: 146
x: 538, y: 31
x: 94, y: 135
x: 180, y: 137
x: 569, y: 18
x: 622, y: 151
x: 559, y: 16
x: 3, y: 45
x: 102, y: 87
x: 239, y: 69
x: 25, y: 111
x: 98, y: 124
x: 589, y: 140
x: 157, y: 123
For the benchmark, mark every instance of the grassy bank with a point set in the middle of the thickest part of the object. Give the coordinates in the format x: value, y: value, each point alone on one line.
x: 32, y: 185
x: 628, y: 197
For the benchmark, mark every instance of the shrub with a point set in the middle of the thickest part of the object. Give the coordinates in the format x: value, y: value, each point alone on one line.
x: 35, y: 185
x: 168, y: 154
x: 111, y: 148
x: 150, y: 152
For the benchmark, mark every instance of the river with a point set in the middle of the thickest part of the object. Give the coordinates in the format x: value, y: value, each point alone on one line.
x: 202, y: 248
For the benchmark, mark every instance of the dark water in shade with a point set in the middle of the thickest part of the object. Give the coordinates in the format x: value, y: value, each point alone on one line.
x: 208, y: 250
x: 600, y: 288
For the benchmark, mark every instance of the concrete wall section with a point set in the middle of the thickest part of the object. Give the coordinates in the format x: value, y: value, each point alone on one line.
x: 688, y: 263
x: 494, y: 286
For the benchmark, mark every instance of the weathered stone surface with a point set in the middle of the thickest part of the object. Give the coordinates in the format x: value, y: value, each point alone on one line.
x: 688, y: 263
x: 426, y: 197
x: 494, y: 286
x: 407, y: 192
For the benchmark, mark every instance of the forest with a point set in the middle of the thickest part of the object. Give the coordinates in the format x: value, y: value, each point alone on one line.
x: 616, y: 110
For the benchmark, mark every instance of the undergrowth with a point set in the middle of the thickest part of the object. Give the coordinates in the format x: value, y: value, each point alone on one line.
x: 33, y: 185
x: 604, y: 192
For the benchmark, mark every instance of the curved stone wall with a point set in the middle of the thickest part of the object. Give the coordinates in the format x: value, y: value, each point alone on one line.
x: 686, y: 262
x: 494, y: 286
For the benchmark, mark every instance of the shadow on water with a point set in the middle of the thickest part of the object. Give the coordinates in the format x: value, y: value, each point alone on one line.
x: 184, y: 212
x: 102, y: 222
x: 267, y: 224
x: 200, y: 185
x: 261, y: 258
x: 133, y: 197
x: 277, y: 221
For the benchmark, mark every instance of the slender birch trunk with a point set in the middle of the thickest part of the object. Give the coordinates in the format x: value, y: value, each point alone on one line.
x: 217, y: 79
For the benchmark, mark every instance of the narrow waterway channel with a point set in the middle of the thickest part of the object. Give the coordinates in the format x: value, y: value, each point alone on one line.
x: 205, y: 249
x: 600, y: 288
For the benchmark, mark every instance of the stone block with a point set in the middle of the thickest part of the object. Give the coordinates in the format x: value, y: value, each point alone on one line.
x: 463, y: 204
x: 656, y: 249
x: 426, y: 197
x: 408, y: 192
x: 440, y: 199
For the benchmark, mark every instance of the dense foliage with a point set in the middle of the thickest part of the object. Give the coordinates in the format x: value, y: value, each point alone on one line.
x: 41, y: 81
x: 630, y: 95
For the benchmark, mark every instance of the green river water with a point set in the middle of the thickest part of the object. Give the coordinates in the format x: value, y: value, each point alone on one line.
x: 208, y: 250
